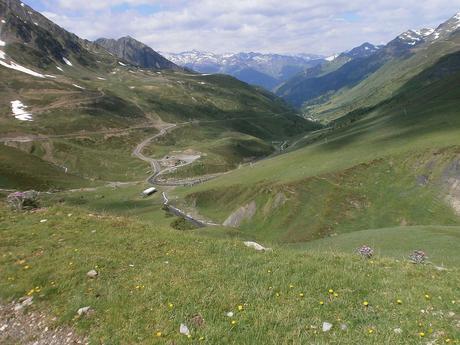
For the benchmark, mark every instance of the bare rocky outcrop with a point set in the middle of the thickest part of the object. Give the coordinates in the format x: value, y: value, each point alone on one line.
x: 451, y: 180
x: 136, y: 53
x: 275, y: 203
x: 244, y: 213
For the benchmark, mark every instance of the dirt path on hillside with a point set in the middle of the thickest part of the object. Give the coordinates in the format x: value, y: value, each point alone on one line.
x: 83, y: 134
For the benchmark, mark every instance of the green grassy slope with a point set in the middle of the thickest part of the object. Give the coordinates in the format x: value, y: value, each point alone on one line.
x: 439, y: 242
x: 151, y: 280
x: 96, y: 95
x: 20, y: 170
x: 385, y: 82
x: 364, y: 174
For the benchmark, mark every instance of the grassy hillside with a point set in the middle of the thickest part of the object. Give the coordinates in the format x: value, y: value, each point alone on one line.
x: 441, y: 241
x: 118, y: 107
x: 393, y: 165
x: 89, y: 106
x: 385, y: 82
x: 167, y: 280
x: 20, y: 170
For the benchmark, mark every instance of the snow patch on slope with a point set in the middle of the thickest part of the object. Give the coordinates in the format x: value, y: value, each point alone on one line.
x: 2, y: 43
x: 17, y: 67
x: 79, y: 87
x: 67, y: 61
x: 19, y: 111
x: 332, y: 57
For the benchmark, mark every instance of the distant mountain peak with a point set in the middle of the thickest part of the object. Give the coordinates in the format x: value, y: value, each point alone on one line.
x: 263, y: 69
x: 135, y: 52
x: 364, y: 50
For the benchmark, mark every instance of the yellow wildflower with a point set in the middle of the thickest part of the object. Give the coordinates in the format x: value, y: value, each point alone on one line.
x: 366, y: 303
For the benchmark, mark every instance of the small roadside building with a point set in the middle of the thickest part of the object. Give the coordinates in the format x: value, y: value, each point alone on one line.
x: 149, y: 192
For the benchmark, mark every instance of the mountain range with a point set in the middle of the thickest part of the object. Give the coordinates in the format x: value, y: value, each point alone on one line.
x: 319, y: 90
x: 176, y: 207
x: 115, y: 86
x: 266, y: 70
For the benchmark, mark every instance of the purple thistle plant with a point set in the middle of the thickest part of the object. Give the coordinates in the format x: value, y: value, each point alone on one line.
x: 418, y: 257
x: 365, y: 251
x: 19, y: 201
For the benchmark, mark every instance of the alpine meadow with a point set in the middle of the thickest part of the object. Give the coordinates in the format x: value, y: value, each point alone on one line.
x: 209, y: 173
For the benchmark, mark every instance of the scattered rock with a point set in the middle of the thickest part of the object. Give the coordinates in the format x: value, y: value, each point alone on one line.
x: 43, y: 220
x: 92, y: 274
x: 23, y: 303
x: 343, y: 327
x: 84, y: 311
x: 256, y: 246
x: 327, y: 326
x: 230, y: 314
x: 32, y: 327
x: 184, y: 329
x: 397, y: 330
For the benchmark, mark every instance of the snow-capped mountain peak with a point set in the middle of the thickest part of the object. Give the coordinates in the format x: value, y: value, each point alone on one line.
x: 411, y: 37
x: 267, y: 70
x: 332, y: 57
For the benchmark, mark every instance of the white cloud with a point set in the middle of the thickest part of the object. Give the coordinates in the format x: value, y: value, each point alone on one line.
x: 314, y: 26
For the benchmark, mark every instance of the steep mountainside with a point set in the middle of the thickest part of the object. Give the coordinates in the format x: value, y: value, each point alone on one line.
x: 266, y: 70
x: 323, y: 93
x: 426, y: 47
x: 71, y: 107
x: 136, y: 53
x: 407, y: 149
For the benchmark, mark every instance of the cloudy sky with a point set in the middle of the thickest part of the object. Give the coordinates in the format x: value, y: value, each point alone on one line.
x: 287, y: 26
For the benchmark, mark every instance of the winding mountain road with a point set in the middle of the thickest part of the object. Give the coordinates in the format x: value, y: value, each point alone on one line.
x: 156, y: 167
